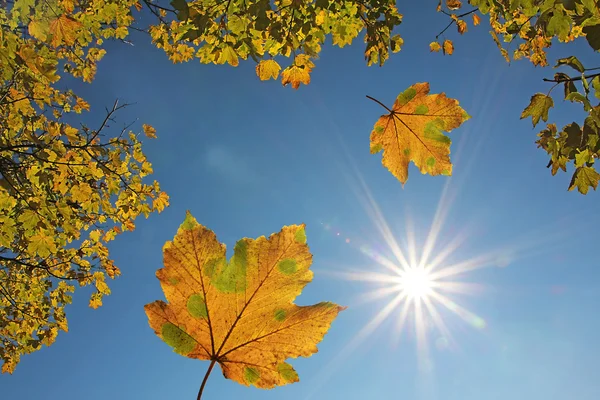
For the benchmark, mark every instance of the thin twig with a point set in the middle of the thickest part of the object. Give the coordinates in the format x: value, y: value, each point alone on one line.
x: 577, y: 78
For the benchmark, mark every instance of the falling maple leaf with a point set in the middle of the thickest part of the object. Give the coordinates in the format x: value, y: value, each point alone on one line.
x: 149, y: 131
x: 412, y: 131
x: 239, y: 313
x: 476, y: 19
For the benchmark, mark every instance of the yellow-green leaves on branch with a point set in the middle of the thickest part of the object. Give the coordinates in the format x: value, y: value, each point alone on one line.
x: 64, y: 194
x: 412, y: 131
x: 239, y: 313
x: 574, y: 143
x: 227, y: 31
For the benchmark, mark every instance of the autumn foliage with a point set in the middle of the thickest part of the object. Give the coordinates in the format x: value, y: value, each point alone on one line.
x: 67, y: 190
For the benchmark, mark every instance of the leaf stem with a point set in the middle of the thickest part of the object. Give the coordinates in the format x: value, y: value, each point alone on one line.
x: 380, y: 103
x: 208, y: 371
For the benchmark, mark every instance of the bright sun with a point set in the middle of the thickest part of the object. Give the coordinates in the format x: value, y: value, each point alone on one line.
x: 416, y: 283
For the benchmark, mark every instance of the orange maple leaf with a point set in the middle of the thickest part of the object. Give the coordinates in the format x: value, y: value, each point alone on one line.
x: 412, y: 131
x: 239, y: 313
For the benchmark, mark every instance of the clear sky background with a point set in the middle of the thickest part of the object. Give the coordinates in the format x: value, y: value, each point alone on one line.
x: 247, y: 157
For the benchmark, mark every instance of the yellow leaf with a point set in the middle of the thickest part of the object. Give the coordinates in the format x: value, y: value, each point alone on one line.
x: 228, y: 55
x: 95, y: 235
x: 462, y: 26
x: 413, y: 132
x: 38, y: 29
x: 448, y: 47
x: 149, y: 131
x: 64, y: 30
x: 267, y: 69
x: 95, y: 300
x: 71, y: 134
x: 41, y: 244
x: 81, y: 193
x: 304, y: 60
x: 161, y: 202
x: 476, y: 19
x: 299, y: 72
x: 239, y: 313
x: 434, y: 46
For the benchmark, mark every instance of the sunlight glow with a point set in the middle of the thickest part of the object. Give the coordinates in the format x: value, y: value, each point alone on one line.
x: 416, y: 282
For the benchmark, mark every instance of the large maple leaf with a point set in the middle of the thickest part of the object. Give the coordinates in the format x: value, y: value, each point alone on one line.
x: 239, y: 313
x: 412, y: 131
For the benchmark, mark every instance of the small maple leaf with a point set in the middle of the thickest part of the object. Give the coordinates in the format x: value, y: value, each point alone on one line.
x: 538, y: 107
x: 434, y: 46
x: 584, y: 178
x: 299, y: 72
x: 412, y: 131
x: 448, y: 47
x: 476, y: 20
x: 453, y: 4
x: 64, y: 30
x: 267, y: 69
x: 462, y: 26
x: 149, y: 131
x: 239, y: 313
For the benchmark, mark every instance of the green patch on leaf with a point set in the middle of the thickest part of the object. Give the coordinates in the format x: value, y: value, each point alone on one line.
x: 175, y: 337
x: 430, y: 162
x: 433, y: 130
x: 376, y: 148
x: 189, y: 222
x: 288, y: 266
x: 379, y: 129
x: 406, y: 96
x: 300, y: 236
x: 280, y: 315
x: 421, y: 109
x: 287, y: 372
x: 173, y: 281
x: 229, y: 277
x: 251, y: 375
x: 406, y: 152
x: 196, y: 306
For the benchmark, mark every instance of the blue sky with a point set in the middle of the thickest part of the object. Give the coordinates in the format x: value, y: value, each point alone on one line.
x: 247, y: 157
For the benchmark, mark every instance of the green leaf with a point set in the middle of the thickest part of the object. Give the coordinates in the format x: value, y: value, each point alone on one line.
x: 596, y: 86
x: 572, y: 62
x: 559, y: 25
x: 582, y: 158
x: 183, y: 9
x: 538, y: 107
x: 569, y: 85
x: 584, y: 178
x: 578, y: 97
x: 592, y: 34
